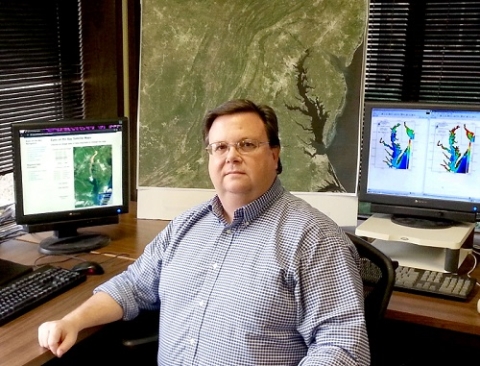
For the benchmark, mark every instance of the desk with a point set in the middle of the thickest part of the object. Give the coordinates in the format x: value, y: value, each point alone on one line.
x: 18, y: 339
x: 445, y: 314
x: 129, y: 237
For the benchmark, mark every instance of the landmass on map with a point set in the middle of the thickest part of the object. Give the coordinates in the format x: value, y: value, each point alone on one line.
x: 93, y: 175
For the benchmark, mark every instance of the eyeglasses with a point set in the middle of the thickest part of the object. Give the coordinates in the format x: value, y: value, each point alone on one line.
x: 242, y: 146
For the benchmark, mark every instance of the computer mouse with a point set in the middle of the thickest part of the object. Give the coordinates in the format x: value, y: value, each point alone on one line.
x: 89, y: 268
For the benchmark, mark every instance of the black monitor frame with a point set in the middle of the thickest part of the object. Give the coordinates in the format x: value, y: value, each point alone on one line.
x: 66, y: 239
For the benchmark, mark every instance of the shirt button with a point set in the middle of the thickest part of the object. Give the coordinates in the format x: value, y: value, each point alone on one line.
x: 229, y: 231
x: 201, y: 303
x: 214, y: 265
x: 191, y: 341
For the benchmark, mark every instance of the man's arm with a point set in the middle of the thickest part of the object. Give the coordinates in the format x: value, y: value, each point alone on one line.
x: 60, y: 335
x: 333, y: 324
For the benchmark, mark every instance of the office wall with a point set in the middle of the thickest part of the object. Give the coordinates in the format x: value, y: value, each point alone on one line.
x: 304, y: 58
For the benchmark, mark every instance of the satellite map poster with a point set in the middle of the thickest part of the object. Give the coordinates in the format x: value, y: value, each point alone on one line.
x: 303, y: 58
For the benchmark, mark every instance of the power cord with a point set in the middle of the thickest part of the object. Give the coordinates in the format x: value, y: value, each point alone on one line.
x: 475, y: 262
x: 61, y: 259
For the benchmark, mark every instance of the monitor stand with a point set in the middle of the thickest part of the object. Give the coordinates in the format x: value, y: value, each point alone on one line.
x: 421, y: 223
x: 72, y: 243
x: 440, y: 249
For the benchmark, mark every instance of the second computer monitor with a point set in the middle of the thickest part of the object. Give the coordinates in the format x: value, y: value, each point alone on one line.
x: 421, y: 162
x: 70, y: 174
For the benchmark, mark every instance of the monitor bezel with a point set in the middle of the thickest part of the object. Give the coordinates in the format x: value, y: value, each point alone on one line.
x: 404, y: 205
x: 92, y: 216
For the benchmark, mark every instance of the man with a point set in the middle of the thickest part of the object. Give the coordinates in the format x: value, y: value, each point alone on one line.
x: 255, y: 276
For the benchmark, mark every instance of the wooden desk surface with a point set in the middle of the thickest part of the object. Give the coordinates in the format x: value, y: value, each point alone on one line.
x: 129, y: 237
x: 18, y: 338
x: 457, y: 316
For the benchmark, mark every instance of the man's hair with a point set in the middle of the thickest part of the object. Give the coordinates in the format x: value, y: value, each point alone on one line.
x: 266, y: 114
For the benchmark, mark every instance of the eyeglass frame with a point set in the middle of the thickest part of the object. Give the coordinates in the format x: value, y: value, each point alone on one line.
x: 237, y: 146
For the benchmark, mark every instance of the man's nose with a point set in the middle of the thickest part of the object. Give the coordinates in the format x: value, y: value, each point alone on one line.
x: 232, y: 153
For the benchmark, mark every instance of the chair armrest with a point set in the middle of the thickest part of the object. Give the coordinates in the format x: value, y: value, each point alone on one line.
x: 141, y: 330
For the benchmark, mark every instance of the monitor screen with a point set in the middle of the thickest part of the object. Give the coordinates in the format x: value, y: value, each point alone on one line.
x: 421, y: 162
x: 70, y: 174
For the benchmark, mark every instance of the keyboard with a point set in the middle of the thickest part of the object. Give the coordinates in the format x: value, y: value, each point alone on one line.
x: 28, y: 291
x: 431, y: 283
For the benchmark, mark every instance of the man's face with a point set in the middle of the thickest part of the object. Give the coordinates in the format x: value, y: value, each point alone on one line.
x: 242, y: 175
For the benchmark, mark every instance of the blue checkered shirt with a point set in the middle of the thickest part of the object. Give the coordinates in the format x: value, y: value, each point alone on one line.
x: 277, y: 286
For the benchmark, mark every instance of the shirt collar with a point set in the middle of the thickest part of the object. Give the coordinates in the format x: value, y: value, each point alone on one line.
x: 252, y: 210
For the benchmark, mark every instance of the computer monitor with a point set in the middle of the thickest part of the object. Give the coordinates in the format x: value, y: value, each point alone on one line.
x: 70, y: 174
x: 420, y: 162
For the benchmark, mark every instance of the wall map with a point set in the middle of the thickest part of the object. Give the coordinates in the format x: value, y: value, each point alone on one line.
x: 304, y: 58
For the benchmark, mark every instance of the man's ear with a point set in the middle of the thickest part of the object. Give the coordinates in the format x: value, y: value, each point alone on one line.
x: 276, y: 157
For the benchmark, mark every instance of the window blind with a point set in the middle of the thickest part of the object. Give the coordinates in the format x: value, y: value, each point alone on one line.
x: 40, y: 65
x: 420, y: 50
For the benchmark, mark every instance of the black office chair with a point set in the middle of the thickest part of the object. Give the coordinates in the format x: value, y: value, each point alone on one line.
x: 378, y: 276
x: 139, y: 338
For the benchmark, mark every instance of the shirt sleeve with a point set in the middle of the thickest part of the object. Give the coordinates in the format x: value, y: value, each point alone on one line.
x: 329, y: 294
x: 137, y: 287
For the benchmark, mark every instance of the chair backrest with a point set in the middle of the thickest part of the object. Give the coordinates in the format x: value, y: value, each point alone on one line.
x: 378, y: 276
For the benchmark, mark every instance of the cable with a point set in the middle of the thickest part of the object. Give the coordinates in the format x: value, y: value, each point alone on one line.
x: 475, y: 261
x: 64, y: 258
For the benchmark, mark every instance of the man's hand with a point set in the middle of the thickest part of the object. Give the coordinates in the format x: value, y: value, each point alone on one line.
x: 57, y: 336
x: 60, y: 335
